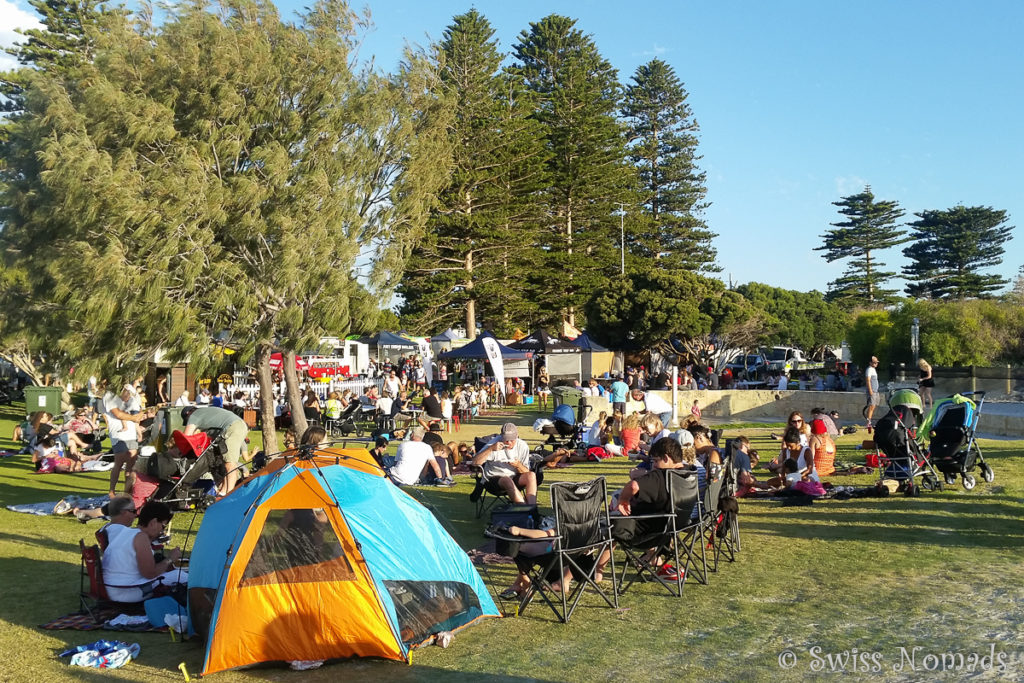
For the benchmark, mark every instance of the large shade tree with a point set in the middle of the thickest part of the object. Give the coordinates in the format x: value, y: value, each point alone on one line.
x: 870, y: 226
x: 950, y: 249
x: 793, y: 318
x: 221, y: 171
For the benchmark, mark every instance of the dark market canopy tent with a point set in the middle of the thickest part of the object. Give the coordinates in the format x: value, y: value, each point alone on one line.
x: 562, y: 358
x: 475, y: 350
x: 597, y: 359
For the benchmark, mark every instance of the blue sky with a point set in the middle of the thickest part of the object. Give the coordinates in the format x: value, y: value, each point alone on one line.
x: 800, y: 103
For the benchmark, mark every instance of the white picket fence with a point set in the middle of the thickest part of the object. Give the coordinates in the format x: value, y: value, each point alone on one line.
x: 322, y: 389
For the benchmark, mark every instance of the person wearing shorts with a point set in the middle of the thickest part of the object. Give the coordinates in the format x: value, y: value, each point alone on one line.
x: 871, y: 387
x: 232, y: 429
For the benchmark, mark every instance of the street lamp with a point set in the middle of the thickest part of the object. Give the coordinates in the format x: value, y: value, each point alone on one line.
x: 622, y: 230
x: 915, y: 338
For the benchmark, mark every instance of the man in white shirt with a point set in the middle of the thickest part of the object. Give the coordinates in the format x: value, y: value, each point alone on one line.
x: 871, y: 386
x: 506, y: 460
x: 655, y: 405
x: 123, y: 427
x: 392, y: 385
x: 415, y: 462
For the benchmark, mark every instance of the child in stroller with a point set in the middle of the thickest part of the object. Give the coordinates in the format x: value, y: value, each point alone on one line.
x: 902, y: 458
x: 345, y: 422
x: 171, y: 476
x: 954, y: 450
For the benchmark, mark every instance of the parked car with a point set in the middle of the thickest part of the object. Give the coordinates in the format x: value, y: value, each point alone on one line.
x: 749, y: 364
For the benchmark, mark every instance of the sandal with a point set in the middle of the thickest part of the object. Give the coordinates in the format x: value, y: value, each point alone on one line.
x: 509, y: 594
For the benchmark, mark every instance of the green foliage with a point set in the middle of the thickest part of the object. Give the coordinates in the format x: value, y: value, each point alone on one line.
x: 577, y: 99
x: 870, y: 227
x: 650, y: 306
x: 663, y: 135
x: 869, y: 336
x: 949, y: 249
x: 219, y: 172
x: 978, y: 332
x: 801, y: 319
x: 480, y: 238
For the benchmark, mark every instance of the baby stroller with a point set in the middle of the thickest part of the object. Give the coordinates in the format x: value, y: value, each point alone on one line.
x: 901, y: 457
x: 345, y: 423
x: 954, y: 449
x: 173, y: 478
x: 564, y: 431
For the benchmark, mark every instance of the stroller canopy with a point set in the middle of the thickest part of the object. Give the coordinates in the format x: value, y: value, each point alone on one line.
x: 322, y: 557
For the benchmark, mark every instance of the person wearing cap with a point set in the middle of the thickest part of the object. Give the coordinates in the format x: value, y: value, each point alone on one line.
x: 233, y: 430
x: 506, y: 459
x: 871, y: 387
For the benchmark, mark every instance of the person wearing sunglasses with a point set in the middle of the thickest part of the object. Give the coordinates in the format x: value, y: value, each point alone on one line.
x: 131, y: 572
x: 119, y: 510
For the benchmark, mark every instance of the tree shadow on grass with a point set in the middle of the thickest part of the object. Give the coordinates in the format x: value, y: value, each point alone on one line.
x: 42, y: 541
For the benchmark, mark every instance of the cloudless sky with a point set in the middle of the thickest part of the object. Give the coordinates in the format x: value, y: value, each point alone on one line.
x: 801, y: 103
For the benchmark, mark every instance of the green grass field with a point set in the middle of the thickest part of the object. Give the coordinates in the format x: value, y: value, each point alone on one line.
x: 941, y: 573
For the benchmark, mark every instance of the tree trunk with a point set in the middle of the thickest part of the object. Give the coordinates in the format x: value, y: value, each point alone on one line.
x: 266, y: 382
x: 23, y: 362
x: 470, y: 301
x: 570, y: 313
x: 291, y: 380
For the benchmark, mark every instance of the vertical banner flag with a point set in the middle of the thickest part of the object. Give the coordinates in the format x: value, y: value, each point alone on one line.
x: 497, y: 367
x: 428, y: 362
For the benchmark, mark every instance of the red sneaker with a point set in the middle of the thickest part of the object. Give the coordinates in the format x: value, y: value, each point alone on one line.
x: 668, y: 572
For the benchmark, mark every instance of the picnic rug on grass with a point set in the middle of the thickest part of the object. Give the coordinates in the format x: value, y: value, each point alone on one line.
x: 81, y: 621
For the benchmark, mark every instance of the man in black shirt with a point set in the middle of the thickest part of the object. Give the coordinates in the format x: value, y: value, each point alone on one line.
x: 431, y: 410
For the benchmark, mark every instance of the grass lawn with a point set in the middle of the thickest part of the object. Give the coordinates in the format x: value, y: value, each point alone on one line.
x: 942, y: 573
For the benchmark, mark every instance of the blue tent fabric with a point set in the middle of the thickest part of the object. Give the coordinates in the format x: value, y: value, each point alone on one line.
x: 447, y: 335
x: 475, y: 349
x: 585, y: 342
x: 400, y: 540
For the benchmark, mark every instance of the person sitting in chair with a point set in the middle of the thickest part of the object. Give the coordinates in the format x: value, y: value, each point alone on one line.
x: 432, y: 413
x: 506, y: 460
x: 648, y: 495
x: 131, y: 572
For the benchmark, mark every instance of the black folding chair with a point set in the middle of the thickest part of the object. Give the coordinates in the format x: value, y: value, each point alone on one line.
x: 583, y: 535
x: 666, y: 532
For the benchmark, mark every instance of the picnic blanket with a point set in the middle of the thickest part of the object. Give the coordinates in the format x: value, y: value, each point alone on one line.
x: 109, y: 619
x: 44, y: 509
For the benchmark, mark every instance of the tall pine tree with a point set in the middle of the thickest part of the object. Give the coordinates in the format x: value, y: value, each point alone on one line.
x: 949, y: 249
x: 870, y: 226
x: 480, y: 239
x: 578, y: 98
x: 663, y: 146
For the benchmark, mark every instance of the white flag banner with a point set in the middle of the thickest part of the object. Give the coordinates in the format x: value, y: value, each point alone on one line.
x: 497, y: 366
x: 428, y: 361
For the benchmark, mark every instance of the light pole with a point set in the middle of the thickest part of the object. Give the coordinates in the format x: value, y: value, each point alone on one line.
x: 622, y: 230
x: 915, y: 338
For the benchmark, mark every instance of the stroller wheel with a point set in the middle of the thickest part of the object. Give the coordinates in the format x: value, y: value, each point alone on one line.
x: 950, y: 478
x: 969, y: 481
x: 912, y: 491
x: 987, y: 473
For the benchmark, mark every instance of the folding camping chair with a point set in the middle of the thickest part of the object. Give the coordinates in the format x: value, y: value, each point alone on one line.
x: 666, y: 532
x: 487, y: 494
x: 583, y: 535
x: 92, y: 593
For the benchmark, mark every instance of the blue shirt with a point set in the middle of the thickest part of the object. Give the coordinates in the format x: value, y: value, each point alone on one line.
x: 619, y: 391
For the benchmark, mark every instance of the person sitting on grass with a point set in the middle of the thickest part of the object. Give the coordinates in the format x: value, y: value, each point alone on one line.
x: 47, y: 458
x: 417, y: 462
x: 506, y: 460
x: 314, y: 435
x: 744, y: 460
x: 796, y: 451
x: 707, y: 453
x: 131, y: 571
x: 823, y: 448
